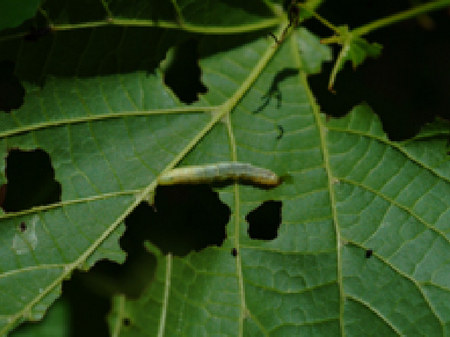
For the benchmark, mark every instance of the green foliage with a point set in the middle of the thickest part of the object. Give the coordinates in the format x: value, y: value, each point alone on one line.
x: 97, y: 103
x: 354, y: 49
x: 14, y: 12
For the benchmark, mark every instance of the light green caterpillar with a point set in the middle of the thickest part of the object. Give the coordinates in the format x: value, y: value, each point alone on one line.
x: 220, y: 172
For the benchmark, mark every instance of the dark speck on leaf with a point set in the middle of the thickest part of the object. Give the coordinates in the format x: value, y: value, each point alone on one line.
x: 280, y: 128
x: 23, y: 227
x: 234, y: 252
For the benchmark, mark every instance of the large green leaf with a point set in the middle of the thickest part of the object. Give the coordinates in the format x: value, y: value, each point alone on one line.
x: 14, y: 12
x: 97, y: 104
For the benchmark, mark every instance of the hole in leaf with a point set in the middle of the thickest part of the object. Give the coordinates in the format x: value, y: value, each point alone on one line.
x: 234, y: 252
x: 131, y: 278
x: 369, y: 253
x: 11, y: 90
x: 3, y: 189
x: 88, y: 308
x: 107, y: 278
x: 265, y: 220
x: 30, y: 181
x: 187, y: 217
x: 183, y: 73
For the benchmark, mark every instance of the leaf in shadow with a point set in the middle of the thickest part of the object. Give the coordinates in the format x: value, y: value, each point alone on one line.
x: 274, y: 90
x: 11, y: 90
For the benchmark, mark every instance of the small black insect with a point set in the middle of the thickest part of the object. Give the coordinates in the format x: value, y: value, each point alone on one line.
x: 369, y: 253
x: 274, y: 37
x: 294, y: 19
x: 234, y: 252
x: 294, y: 14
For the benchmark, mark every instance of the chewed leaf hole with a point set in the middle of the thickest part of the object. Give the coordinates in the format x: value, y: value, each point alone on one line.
x: 265, y: 220
x: 11, y: 90
x: 184, y: 218
x: 86, y: 305
x: 30, y: 181
x: 182, y: 72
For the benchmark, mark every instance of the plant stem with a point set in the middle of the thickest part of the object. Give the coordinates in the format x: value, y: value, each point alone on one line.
x: 320, y: 18
x: 410, y: 13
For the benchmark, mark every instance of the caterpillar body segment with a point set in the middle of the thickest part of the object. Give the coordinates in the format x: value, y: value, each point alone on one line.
x: 218, y: 173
